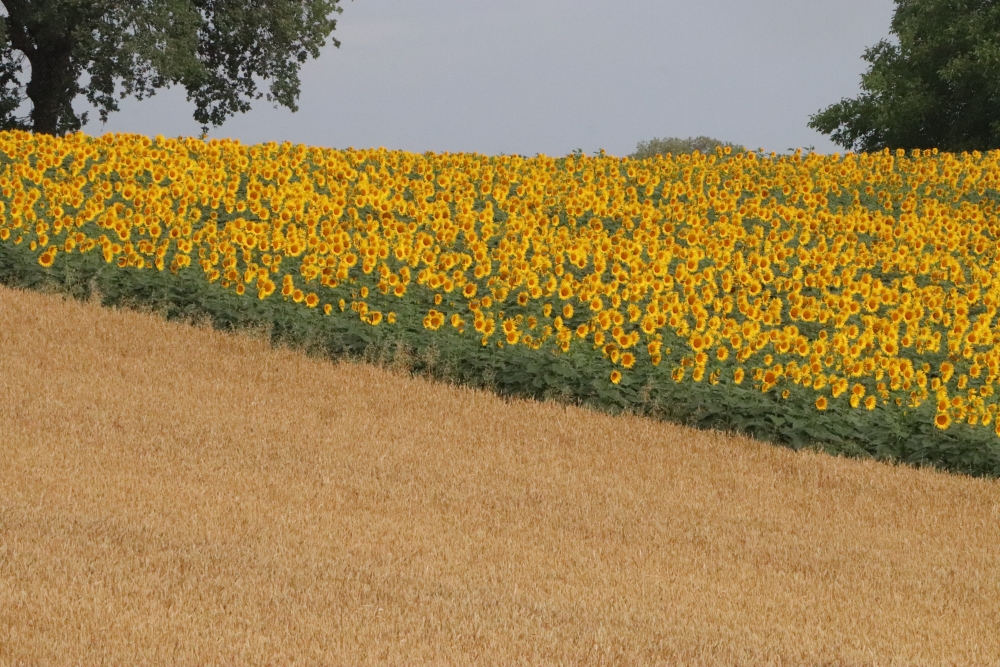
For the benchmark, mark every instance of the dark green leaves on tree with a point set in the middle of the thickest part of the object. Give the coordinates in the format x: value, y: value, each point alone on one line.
x: 214, y: 48
x: 939, y: 87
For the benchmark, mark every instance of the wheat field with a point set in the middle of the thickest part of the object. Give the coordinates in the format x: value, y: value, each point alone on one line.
x: 174, y: 495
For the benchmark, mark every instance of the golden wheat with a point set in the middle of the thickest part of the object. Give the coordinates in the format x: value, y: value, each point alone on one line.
x: 170, y: 495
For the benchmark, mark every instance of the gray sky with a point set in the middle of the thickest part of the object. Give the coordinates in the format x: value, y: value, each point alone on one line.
x: 551, y: 76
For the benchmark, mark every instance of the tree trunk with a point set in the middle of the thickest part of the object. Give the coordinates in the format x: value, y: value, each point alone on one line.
x: 49, y: 49
x: 50, y: 88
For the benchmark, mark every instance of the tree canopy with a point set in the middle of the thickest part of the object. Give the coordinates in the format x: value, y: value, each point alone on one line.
x: 939, y: 87
x: 214, y: 48
x: 678, y: 146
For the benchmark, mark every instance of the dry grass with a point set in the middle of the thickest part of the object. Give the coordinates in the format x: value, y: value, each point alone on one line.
x: 170, y: 495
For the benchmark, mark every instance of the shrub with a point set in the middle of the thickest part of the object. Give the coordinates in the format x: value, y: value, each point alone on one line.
x: 678, y: 146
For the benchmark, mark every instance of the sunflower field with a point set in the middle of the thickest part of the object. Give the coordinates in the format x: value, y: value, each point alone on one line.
x: 844, y: 301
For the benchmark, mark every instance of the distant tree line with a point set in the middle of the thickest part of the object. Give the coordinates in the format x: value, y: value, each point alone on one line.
x: 678, y: 146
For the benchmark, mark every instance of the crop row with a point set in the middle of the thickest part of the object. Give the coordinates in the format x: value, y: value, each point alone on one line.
x: 868, y: 279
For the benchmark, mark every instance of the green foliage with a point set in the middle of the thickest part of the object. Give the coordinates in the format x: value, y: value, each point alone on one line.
x: 939, y: 87
x: 214, y: 48
x: 678, y: 146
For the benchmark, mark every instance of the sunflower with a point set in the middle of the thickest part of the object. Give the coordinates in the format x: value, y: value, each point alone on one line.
x: 616, y: 377
x: 947, y: 370
x: 312, y: 300
x: 628, y: 360
x: 433, y: 320
x: 942, y: 421
x: 821, y: 403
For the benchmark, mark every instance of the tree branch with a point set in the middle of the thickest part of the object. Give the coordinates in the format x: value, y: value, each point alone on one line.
x: 18, y: 32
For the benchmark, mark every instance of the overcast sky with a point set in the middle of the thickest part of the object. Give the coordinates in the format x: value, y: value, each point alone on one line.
x: 551, y: 76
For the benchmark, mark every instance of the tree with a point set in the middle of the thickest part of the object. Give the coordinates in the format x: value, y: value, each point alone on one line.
x: 214, y: 48
x: 939, y: 87
x: 677, y: 146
